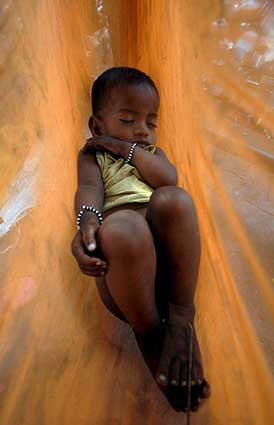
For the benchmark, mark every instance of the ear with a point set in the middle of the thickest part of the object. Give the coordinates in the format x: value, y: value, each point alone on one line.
x: 96, y: 126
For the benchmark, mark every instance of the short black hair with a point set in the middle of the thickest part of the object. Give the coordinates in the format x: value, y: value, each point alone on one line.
x: 113, y: 77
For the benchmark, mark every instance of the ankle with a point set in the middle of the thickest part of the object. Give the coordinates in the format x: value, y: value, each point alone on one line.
x: 179, y: 314
x: 147, y: 330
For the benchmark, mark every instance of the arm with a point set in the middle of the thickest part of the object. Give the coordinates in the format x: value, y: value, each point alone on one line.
x: 90, y: 192
x: 90, y: 184
x: 155, y: 169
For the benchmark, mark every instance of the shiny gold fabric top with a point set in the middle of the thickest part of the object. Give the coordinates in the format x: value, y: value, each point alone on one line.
x: 122, y: 182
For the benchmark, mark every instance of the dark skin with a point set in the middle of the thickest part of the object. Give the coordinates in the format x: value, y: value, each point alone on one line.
x: 164, y: 254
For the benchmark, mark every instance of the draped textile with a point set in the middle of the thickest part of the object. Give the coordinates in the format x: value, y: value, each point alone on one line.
x: 64, y: 359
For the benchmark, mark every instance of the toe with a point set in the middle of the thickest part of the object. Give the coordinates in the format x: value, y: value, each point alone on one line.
x: 174, y: 372
x: 162, y: 372
x: 198, y: 373
x: 206, y: 391
x: 162, y: 379
x: 196, y: 404
x: 183, y: 375
x: 200, y: 380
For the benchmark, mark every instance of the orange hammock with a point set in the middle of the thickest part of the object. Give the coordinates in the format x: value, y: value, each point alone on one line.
x: 64, y: 359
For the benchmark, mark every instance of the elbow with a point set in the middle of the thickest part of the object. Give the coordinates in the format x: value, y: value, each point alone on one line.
x: 175, y: 178
x: 172, y: 178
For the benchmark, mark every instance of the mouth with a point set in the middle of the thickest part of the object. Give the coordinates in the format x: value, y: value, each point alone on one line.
x: 141, y: 142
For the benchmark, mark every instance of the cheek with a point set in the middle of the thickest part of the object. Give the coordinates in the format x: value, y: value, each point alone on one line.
x: 118, y: 130
x: 126, y: 132
x: 153, y: 137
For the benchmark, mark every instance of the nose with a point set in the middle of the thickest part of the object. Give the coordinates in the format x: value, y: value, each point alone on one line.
x: 141, y: 130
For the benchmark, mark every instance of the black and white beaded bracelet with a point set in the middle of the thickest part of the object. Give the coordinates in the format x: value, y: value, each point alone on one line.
x: 130, y: 154
x: 86, y: 208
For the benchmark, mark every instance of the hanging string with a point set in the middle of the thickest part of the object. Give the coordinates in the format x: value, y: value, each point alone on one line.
x: 189, y: 372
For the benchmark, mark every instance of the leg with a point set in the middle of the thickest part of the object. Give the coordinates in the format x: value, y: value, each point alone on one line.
x: 173, y: 221
x: 107, y: 299
x: 126, y: 243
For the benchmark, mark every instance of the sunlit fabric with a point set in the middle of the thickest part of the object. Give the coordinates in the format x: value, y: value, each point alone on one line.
x: 64, y: 359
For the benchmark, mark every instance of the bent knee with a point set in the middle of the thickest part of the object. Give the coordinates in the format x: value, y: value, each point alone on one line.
x: 168, y: 198
x: 125, y: 230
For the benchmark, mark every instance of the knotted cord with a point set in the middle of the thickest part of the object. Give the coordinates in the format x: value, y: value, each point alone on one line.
x: 189, y: 371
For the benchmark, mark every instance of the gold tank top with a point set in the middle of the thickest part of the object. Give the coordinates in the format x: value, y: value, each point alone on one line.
x: 122, y: 182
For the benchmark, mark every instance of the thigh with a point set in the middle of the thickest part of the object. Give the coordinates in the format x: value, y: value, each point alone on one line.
x: 161, y: 286
x: 161, y: 283
x: 108, y: 301
x: 141, y: 208
x: 101, y: 282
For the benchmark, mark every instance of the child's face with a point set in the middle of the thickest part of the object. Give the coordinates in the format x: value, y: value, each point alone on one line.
x: 130, y: 113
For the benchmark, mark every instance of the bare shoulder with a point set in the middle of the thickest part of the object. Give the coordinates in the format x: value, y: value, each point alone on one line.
x: 89, y: 157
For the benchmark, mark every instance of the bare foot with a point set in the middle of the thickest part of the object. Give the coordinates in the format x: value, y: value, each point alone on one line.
x: 172, y: 372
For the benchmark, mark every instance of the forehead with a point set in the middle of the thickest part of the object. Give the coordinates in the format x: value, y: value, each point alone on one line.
x: 140, y: 98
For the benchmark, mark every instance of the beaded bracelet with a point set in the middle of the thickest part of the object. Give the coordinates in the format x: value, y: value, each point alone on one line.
x: 86, y: 208
x: 130, y: 154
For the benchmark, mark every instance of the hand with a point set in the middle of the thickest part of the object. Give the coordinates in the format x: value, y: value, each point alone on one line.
x: 83, y: 245
x: 107, y: 143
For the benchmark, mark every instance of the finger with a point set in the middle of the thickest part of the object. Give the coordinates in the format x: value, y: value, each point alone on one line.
x: 94, y: 142
x: 77, y: 240
x: 86, y: 272
x: 89, y: 142
x: 91, y: 269
x: 83, y: 258
x: 79, y: 253
x: 96, y: 263
x: 94, y: 268
x: 85, y: 147
x: 78, y: 250
x: 88, y: 236
x: 92, y: 273
x: 89, y: 148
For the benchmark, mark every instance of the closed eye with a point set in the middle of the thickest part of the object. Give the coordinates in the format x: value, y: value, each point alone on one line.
x: 132, y: 121
x: 127, y: 121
